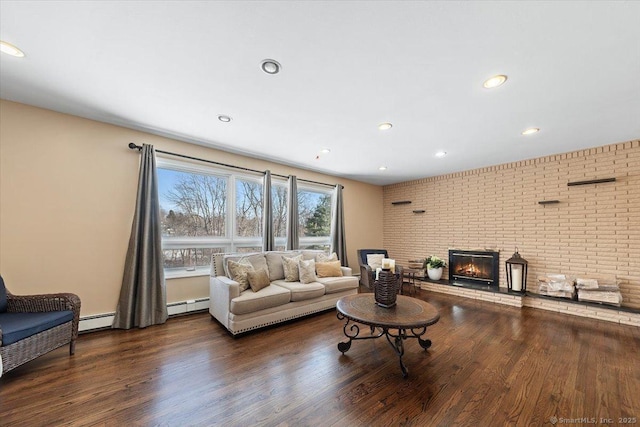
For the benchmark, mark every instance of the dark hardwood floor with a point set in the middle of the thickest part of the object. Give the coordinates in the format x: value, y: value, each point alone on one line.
x: 489, y: 365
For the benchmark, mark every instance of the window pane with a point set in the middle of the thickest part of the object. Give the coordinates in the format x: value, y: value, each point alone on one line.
x: 314, y: 209
x: 248, y: 208
x: 191, y: 204
x: 279, y: 203
x: 188, y: 259
x: 247, y: 249
x: 324, y: 246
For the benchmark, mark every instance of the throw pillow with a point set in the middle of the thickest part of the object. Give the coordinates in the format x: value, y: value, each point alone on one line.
x: 290, y: 266
x: 329, y: 269
x: 375, y: 260
x: 239, y: 271
x: 307, y: 271
x: 327, y: 258
x: 258, y: 279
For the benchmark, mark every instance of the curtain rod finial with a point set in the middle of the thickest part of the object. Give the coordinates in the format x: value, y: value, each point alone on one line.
x: 134, y: 146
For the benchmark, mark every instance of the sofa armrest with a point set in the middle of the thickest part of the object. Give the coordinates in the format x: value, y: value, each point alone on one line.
x: 346, y: 271
x: 221, y: 291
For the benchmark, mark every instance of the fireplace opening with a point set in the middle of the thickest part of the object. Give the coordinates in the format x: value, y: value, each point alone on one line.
x: 474, y: 267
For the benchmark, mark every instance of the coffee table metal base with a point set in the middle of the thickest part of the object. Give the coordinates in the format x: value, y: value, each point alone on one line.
x: 352, y: 331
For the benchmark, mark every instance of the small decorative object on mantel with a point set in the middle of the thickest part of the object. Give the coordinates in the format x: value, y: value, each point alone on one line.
x: 434, y: 266
x: 386, y: 288
x: 517, y: 273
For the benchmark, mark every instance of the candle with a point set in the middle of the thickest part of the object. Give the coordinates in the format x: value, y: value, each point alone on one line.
x: 378, y: 270
x: 516, y: 278
x: 386, y: 263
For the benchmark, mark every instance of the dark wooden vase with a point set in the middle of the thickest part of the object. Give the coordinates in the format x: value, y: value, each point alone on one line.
x: 386, y: 289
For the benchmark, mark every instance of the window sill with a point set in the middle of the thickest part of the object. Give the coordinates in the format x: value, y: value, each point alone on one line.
x: 181, y: 274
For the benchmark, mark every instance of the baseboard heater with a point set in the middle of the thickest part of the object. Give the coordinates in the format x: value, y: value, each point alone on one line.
x: 105, y: 320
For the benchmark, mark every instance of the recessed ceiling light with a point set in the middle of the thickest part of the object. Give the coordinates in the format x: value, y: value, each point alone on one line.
x: 441, y: 153
x: 382, y: 168
x: 270, y: 66
x: 224, y: 118
x: 385, y: 126
x: 495, y: 81
x: 530, y: 131
x: 325, y: 150
x: 10, y: 49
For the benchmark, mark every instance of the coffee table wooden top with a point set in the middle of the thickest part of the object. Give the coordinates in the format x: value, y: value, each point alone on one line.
x: 408, y: 312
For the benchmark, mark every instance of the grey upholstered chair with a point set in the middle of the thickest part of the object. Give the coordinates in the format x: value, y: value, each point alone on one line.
x: 32, y: 325
x: 367, y: 274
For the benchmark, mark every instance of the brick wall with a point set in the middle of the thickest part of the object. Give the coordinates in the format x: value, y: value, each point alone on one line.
x: 593, y: 231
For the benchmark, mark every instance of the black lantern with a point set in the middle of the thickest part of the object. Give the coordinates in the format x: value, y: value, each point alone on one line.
x: 517, y: 273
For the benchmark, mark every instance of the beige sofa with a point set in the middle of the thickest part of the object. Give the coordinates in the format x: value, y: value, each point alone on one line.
x: 278, y: 302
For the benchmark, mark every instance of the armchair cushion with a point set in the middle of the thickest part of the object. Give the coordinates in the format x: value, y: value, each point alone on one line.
x: 17, y: 326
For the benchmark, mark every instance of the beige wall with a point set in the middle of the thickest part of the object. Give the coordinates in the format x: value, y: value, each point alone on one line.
x: 67, y: 194
x: 594, y: 230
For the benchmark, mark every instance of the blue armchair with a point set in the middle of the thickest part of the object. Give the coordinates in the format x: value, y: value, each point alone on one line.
x: 32, y: 325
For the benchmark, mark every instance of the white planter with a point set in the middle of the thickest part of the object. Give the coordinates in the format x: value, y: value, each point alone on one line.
x: 434, y: 273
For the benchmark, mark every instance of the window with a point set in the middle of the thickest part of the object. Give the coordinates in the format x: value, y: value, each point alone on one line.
x: 206, y: 210
x: 314, y: 218
x: 279, y: 194
x: 248, y: 208
x: 193, y: 217
x: 192, y: 204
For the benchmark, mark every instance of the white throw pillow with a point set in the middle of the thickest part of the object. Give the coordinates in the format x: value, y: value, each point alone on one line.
x: 307, y: 271
x: 375, y: 260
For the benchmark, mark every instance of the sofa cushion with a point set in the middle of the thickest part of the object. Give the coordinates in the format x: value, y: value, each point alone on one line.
x: 238, y: 271
x: 329, y: 269
x: 326, y: 258
x: 290, y: 266
x: 3, y: 296
x: 258, y: 279
x: 299, y: 291
x: 307, y: 271
x: 333, y: 285
x: 249, y: 301
x: 274, y: 263
x: 308, y: 254
x: 18, y: 326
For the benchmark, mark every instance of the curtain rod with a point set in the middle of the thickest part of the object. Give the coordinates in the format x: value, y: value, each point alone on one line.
x: 139, y: 147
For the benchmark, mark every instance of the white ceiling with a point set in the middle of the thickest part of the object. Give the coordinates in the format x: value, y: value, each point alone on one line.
x: 171, y: 67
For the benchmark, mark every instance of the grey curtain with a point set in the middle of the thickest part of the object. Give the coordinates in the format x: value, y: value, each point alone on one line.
x: 338, y: 239
x: 293, y: 240
x: 268, y: 238
x: 143, y: 299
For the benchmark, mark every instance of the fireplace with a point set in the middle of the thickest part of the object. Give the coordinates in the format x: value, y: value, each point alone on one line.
x: 474, y: 267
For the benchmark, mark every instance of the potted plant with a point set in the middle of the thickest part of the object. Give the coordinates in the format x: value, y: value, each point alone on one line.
x: 434, y: 266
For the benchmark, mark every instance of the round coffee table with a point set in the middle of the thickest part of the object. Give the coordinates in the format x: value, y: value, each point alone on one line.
x: 409, y: 318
